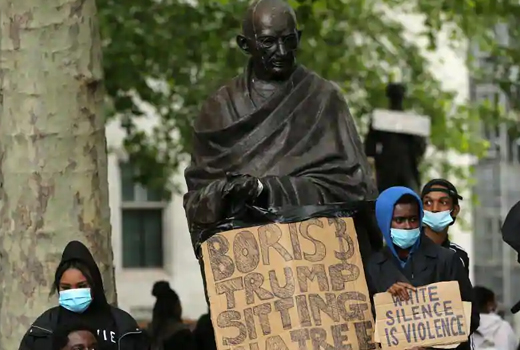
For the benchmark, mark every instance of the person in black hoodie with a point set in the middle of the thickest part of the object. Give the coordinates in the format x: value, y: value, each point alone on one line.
x: 82, y: 299
x: 167, y: 330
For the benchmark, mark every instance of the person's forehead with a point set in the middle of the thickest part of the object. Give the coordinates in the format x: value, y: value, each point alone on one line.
x: 82, y: 337
x: 273, y: 23
x: 406, y: 209
x: 72, y: 275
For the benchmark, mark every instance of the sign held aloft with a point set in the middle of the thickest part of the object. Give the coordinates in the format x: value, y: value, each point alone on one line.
x: 289, y: 286
x: 401, y: 122
x: 433, y: 316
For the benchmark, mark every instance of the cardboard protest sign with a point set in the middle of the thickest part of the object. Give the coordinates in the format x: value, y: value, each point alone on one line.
x: 289, y: 286
x: 434, y: 315
x: 467, y: 312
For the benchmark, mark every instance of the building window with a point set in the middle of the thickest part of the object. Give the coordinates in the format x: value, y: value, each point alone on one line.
x: 142, y: 222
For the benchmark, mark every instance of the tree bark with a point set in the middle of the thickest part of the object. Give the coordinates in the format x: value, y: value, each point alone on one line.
x: 53, y: 157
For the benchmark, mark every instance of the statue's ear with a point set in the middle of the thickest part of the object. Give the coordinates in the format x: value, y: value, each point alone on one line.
x: 299, y: 35
x: 243, y: 43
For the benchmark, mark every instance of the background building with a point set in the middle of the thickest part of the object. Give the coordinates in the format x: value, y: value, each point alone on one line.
x: 497, y: 189
x: 150, y: 240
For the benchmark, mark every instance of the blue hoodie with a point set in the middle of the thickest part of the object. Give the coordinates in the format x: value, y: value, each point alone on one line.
x: 385, y: 210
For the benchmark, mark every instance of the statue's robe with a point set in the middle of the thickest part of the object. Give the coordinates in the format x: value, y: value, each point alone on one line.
x: 301, y: 143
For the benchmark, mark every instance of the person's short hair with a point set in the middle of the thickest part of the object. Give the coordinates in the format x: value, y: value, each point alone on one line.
x: 483, y: 296
x: 60, y: 336
x: 407, y: 199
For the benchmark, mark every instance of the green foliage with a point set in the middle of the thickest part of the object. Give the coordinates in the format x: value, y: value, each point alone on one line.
x: 192, y: 51
x: 493, y: 28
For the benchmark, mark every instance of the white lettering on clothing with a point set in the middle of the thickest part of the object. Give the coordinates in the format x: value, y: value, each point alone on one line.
x: 111, y: 336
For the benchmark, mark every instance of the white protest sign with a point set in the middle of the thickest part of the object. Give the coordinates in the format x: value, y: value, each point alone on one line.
x: 401, y: 122
x: 434, y: 316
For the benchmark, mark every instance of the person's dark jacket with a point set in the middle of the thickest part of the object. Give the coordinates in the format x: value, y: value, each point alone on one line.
x: 459, y: 251
x: 204, y: 334
x: 39, y: 336
x: 174, y: 336
x: 99, y: 314
x: 429, y: 263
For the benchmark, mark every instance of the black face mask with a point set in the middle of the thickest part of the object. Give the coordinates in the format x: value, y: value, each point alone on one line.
x: 275, y: 57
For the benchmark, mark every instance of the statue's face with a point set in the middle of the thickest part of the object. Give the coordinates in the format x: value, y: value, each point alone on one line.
x: 274, y: 45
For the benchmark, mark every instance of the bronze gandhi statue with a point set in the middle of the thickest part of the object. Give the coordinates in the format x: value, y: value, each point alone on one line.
x: 277, y: 135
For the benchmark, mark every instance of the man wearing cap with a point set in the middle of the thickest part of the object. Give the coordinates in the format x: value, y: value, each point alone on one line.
x: 441, y: 207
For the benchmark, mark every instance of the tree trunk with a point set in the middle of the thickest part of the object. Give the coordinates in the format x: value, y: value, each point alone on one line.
x: 53, y: 157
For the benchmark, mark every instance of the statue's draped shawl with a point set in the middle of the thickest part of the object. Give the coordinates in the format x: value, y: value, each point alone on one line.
x: 302, y: 143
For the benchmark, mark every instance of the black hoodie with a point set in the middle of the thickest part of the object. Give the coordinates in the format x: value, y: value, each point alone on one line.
x: 76, y: 251
x: 116, y: 329
x: 98, y: 315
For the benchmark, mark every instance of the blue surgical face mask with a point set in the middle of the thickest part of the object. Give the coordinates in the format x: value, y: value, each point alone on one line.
x: 75, y: 300
x: 405, y: 238
x: 437, y: 221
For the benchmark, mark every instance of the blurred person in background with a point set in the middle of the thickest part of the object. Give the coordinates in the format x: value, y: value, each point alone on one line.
x: 204, y: 333
x: 74, y: 336
x: 167, y: 331
x: 493, y: 332
x: 82, y: 300
x: 441, y: 207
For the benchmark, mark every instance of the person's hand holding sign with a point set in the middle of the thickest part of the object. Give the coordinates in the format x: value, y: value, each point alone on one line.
x: 400, y: 289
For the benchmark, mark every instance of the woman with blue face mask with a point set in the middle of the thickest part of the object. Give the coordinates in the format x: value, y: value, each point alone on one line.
x: 410, y: 259
x: 82, y: 300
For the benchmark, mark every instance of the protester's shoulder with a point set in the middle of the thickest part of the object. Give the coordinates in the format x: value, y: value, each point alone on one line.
x: 458, y: 249
x: 456, y: 246
x: 203, y: 320
x: 47, y: 319
x: 376, y: 258
x: 183, y: 339
x: 460, y: 253
x: 124, y: 319
x: 443, y: 253
x: 506, y: 326
x: 450, y: 258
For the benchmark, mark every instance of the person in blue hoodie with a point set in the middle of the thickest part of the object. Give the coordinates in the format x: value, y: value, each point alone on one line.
x: 410, y: 259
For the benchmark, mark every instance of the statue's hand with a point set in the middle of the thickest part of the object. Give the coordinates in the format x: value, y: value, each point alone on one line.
x: 242, y: 187
x: 239, y: 191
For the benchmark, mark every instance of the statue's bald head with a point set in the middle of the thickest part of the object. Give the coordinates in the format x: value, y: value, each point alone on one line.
x: 271, y: 37
x: 274, y: 14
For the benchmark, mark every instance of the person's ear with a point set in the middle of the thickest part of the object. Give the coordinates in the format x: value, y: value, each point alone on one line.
x: 456, y: 210
x: 243, y: 44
